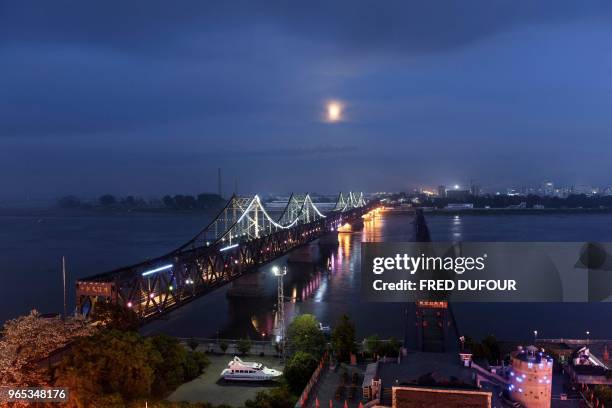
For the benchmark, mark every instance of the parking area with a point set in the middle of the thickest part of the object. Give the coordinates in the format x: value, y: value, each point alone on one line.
x: 210, y: 387
x: 338, y: 386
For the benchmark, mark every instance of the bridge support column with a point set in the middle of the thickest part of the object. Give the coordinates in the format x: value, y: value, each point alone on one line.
x: 249, y: 285
x: 329, y: 239
x: 308, y: 253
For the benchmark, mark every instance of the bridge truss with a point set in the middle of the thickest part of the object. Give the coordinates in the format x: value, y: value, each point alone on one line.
x: 240, y: 238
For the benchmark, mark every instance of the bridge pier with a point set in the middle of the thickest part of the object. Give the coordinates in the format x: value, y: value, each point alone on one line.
x: 308, y: 253
x: 329, y: 239
x: 249, y: 285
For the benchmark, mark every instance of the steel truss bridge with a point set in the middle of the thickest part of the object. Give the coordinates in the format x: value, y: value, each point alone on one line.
x: 242, y: 237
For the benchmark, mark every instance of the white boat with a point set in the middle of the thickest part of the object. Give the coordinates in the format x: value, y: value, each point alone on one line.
x: 238, y: 370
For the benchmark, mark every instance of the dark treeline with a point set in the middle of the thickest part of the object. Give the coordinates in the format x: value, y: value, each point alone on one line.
x: 203, y: 201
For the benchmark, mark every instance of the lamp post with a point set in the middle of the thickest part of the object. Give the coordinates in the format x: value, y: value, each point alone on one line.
x: 535, y: 336
x: 280, y: 307
x: 588, y: 333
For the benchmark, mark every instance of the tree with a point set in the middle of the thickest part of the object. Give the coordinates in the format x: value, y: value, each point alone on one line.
x: 298, y: 370
x: 343, y: 338
x: 373, y: 344
x: 190, y: 202
x: 29, y: 339
x: 275, y: 398
x: 107, y: 200
x: 114, y: 316
x: 193, y: 344
x: 208, y: 200
x: 223, y: 346
x: 69, y: 202
x: 168, y: 201
x: 179, y: 201
x: 244, y: 345
x: 114, y: 362
x: 305, y: 335
x: 170, y: 370
x: 490, y: 342
x: 389, y: 348
x: 129, y: 201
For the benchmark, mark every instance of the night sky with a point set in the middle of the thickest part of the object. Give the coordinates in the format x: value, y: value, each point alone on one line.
x: 151, y: 97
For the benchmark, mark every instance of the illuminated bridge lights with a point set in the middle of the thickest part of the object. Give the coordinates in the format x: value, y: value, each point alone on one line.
x: 228, y: 247
x: 346, y: 227
x: 161, y: 268
x: 243, y: 223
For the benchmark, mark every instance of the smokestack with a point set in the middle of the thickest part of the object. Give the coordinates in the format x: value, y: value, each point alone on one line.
x: 219, y: 182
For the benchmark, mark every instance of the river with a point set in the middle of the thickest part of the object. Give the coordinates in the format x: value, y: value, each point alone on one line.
x: 32, y: 244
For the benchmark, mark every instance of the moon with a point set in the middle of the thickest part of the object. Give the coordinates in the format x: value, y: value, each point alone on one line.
x: 334, y: 111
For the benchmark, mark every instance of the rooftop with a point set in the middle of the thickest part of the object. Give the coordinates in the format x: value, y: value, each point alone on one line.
x: 532, y: 354
x: 442, y: 370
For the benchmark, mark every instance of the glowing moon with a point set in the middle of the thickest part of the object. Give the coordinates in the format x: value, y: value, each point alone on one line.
x: 334, y: 111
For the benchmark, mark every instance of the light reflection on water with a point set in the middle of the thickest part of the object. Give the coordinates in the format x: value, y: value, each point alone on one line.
x: 94, y: 243
x: 333, y: 287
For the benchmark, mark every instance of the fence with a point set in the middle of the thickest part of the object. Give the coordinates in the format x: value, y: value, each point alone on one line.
x: 314, y: 378
x: 258, y: 347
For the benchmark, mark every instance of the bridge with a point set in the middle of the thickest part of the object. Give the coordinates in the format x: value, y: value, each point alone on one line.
x: 242, y: 237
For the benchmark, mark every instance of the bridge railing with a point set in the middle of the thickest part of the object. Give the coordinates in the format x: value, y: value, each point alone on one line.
x: 155, y: 286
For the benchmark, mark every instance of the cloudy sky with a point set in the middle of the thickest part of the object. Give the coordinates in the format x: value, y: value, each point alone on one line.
x: 151, y: 97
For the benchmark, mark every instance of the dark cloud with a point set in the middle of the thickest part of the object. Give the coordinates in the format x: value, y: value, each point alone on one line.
x: 158, y: 27
x: 139, y: 83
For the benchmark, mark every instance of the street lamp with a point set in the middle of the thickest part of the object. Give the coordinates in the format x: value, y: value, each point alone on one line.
x: 535, y: 336
x: 280, y: 307
x: 588, y: 333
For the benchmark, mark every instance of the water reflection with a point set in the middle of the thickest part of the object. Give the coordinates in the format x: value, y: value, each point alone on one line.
x: 456, y: 228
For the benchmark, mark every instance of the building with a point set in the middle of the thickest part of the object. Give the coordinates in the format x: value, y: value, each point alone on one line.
x: 548, y: 188
x: 428, y: 379
x: 441, y: 191
x: 586, y: 368
x: 475, y: 190
x: 433, y: 370
x: 459, y: 206
x: 459, y: 195
x: 531, y: 377
x: 417, y: 397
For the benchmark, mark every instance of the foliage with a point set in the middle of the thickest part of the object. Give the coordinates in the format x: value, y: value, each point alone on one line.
x: 69, y: 202
x: 114, y: 316
x: 29, y: 339
x: 172, y: 404
x: 298, y: 370
x: 223, y: 346
x: 189, y: 202
x: 372, y: 344
x: 390, y: 348
x: 193, y: 344
x: 275, y: 398
x: 115, y: 363
x: 603, y: 394
x: 304, y: 335
x: 121, y: 366
x: 107, y: 200
x: 487, y: 349
x: 177, y: 365
x: 244, y: 345
x: 343, y: 338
